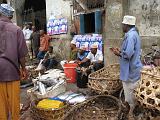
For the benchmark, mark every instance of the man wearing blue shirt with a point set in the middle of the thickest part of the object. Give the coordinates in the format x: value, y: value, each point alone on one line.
x: 130, y: 63
x: 82, y: 53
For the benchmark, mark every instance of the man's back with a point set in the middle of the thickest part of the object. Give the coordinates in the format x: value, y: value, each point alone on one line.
x: 27, y: 33
x: 12, y: 48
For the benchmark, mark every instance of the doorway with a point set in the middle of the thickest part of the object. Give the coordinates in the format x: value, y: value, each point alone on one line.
x: 35, y: 13
x: 3, y: 1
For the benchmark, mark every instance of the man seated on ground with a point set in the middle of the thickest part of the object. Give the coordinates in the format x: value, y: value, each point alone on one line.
x: 74, y: 51
x: 81, y: 55
x: 73, y: 54
x: 49, y: 59
x: 95, y: 57
x: 44, y: 44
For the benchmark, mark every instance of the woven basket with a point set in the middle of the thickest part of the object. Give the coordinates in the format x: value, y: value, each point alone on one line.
x: 148, y: 92
x: 97, y: 108
x: 105, y: 80
x: 43, y: 114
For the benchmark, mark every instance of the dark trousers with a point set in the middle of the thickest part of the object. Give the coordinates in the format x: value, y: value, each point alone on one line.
x: 50, y: 63
x: 86, y: 64
x: 98, y: 66
x: 41, y: 55
x: 36, y: 51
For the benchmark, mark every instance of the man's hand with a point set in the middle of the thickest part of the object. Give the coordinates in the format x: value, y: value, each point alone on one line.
x: 93, y: 63
x: 24, y: 74
x: 23, y: 71
x: 116, y: 51
x: 79, y: 62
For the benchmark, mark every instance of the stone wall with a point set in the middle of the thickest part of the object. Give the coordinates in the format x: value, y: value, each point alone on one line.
x: 60, y: 8
x: 61, y: 48
x: 112, y: 32
x: 147, y: 13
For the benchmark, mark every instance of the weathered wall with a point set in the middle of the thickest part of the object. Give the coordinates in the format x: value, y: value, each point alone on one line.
x: 60, y: 8
x: 61, y: 48
x: 113, y: 31
x: 148, y: 16
x: 147, y: 13
x: 19, y: 7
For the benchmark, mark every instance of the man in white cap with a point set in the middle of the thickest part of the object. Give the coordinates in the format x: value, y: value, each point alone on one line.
x: 13, y: 50
x: 81, y: 55
x: 73, y: 54
x: 130, y: 63
x: 74, y: 50
x: 95, y: 56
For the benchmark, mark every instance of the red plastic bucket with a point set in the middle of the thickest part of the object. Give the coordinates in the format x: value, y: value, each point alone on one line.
x: 69, y: 70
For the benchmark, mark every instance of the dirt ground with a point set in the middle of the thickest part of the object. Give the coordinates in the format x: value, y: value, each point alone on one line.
x: 25, y: 100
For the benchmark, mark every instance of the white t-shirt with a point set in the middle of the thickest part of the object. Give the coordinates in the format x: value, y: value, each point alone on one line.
x: 27, y: 33
x: 97, y: 57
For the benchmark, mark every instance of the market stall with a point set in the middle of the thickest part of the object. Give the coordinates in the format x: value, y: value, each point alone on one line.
x: 103, y: 104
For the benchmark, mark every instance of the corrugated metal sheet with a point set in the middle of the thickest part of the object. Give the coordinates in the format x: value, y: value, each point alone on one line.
x: 92, y: 4
x: 87, y: 5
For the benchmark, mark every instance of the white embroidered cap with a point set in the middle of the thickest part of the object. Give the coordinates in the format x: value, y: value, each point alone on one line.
x: 94, y: 46
x: 73, y: 42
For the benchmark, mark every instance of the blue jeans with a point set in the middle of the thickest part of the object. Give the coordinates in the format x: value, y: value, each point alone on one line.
x: 50, y: 63
x: 41, y: 55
